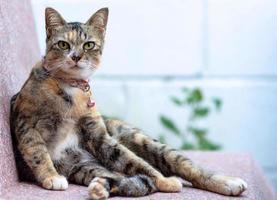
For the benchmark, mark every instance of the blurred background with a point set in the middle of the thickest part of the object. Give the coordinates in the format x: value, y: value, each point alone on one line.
x: 197, y: 74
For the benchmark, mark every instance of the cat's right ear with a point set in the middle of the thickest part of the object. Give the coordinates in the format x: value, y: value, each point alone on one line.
x: 52, y: 20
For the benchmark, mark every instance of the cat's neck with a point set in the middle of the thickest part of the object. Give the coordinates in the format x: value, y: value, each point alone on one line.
x: 73, y: 82
x: 79, y: 83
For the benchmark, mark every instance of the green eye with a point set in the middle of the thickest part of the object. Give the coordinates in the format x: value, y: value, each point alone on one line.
x: 63, y: 45
x: 88, y: 45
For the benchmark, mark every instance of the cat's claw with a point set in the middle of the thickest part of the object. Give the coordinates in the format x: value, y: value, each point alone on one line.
x: 55, y: 183
x: 231, y: 186
x: 97, y: 190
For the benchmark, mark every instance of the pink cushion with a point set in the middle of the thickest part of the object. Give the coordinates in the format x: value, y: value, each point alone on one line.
x: 240, y: 165
x: 18, y: 53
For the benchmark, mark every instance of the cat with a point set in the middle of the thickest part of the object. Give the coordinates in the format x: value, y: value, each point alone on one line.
x: 62, y: 137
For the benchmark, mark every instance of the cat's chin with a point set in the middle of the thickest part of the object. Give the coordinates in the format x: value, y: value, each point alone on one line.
x: 74, y: 73
x: 83, y: 74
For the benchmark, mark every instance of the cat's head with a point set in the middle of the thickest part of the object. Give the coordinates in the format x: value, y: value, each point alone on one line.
x: 73, y: 50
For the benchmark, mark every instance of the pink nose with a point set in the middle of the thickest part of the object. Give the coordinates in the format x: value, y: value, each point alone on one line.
x: 75, y: 58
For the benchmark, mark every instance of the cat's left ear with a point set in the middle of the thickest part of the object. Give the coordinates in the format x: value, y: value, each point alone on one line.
x: 52, y: 20
x: 99, y: 19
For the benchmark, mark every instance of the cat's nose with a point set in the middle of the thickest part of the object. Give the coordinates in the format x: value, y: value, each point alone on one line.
x: 75, y: 57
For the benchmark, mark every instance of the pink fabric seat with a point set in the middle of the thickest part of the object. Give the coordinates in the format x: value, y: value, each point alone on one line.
x: 240, y: 165
x: 18, y: 53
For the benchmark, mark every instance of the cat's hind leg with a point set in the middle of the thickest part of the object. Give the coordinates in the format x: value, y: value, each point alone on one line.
x: 172, y: 162
x: 116, y: 157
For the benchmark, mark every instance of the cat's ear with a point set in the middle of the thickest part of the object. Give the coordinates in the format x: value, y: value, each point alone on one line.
x: 52, y: 20
x: 99, y: 19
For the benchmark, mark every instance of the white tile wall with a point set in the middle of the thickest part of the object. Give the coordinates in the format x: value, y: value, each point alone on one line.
x: 242, y: 37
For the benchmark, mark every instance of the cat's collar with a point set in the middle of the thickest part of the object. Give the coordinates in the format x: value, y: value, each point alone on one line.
x: 79, y: 83
x: 83, y: 85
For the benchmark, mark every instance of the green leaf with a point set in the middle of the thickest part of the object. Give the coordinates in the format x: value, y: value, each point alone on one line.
x: 195, y: 96
x: 217, y: 103
x: 198, y: 132
x: 176, y: 101
x: 205, y: 144
x: 188, y: 146
x: 169, y: 124
x: 193, y: 99
x: 201, y: 111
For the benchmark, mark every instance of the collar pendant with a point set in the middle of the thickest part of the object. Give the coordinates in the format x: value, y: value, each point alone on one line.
x: 90, y: 103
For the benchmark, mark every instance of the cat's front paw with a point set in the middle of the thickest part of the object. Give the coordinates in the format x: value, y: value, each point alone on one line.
x: 231, y: 186
x: 97, y: 189
x: 55, y: 183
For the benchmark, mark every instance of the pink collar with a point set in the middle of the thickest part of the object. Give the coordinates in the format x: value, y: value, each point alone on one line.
x: 79, y: 83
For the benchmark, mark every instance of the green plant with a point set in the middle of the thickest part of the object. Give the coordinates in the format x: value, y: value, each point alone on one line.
x: 193, y: 136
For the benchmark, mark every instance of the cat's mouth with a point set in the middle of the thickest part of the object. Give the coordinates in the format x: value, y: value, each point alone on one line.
x: 79, y: 66
x: 76, y: 66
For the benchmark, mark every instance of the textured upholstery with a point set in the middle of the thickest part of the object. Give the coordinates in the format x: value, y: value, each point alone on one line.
x: 232, y: 164
x: 18, y: 53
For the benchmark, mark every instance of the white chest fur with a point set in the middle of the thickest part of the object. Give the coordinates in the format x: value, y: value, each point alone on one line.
x: 71, y: 90
x: 66, y: 137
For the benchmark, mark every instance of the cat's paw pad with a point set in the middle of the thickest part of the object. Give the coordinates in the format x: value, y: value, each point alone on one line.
x: 97, y: 189
x: 171, y: 184
x: 55, y: 183
x: 231, y: 186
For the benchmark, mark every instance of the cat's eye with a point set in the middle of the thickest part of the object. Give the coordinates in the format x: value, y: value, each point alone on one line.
x: 88, y: 45
x: 63, y: 45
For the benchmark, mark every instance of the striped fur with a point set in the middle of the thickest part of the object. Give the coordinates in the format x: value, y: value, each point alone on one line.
x: 63, y: 139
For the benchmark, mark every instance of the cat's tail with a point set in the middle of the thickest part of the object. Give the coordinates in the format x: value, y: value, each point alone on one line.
x: 133, y: 186
x: 138, y: 185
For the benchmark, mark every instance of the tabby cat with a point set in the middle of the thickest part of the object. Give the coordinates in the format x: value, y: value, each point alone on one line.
x: 62, y: 137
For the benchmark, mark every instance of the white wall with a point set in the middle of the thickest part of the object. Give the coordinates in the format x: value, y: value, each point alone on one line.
x: 153, y: 48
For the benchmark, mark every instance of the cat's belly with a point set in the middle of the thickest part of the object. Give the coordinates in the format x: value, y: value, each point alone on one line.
x: 65, y: 138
